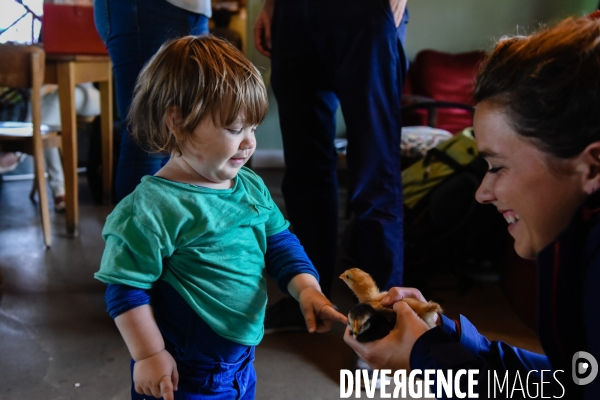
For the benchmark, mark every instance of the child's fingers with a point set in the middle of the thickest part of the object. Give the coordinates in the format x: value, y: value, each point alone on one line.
x: 165, y: 387
x: 175, y: 378
x: 139, y: 389
x: 311, y: 321
x: 310, y: 316
x: 328, y: 312
x: 327, y: 316
x: 147, y: 391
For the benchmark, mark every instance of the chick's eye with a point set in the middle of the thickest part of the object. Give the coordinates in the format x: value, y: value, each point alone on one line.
x: 347, y: 276
x: 365, y: 326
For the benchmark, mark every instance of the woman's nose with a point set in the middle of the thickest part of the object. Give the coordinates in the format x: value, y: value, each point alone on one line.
x: 485, y: 193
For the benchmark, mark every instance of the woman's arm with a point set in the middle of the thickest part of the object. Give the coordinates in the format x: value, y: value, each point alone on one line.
x: 446, y: 349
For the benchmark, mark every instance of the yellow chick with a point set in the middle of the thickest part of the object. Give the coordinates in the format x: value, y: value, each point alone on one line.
x: 367, y: 292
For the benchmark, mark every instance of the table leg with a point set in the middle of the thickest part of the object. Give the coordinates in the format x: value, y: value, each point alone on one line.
x: 66, y: 93
x: 106, y: 123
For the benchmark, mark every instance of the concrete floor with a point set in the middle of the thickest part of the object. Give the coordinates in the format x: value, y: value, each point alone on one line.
x: 58, y: 343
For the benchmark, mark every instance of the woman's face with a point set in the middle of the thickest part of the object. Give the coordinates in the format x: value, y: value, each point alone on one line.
x: 536, y: 193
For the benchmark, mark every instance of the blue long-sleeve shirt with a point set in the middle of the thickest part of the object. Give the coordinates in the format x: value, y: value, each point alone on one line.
x: 569, y: 322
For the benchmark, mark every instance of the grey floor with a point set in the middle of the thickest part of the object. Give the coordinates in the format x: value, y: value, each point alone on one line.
x: 57, y: 342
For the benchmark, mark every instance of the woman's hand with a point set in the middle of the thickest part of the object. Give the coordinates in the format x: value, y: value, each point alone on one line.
x: 393, y: 351
x: 398, y: 293
x: 318, y: 311
x: 156, y: 375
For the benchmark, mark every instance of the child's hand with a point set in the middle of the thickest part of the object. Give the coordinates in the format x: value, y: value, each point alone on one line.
x: 156, y: 375
x: 318, y: 312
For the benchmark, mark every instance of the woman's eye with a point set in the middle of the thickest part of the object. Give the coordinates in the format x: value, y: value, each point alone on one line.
x: 494, y: 170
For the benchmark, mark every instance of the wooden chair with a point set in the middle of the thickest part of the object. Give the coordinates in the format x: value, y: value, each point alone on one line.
x: 22, y: 66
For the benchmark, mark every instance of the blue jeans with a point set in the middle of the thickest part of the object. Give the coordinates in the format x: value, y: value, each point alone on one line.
x: 346, y: 53
x: 213, y: 381
x: 133, y: 30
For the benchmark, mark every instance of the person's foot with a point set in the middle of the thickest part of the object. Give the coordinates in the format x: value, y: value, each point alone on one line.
x: 59, y: 204
x: 284, y: 316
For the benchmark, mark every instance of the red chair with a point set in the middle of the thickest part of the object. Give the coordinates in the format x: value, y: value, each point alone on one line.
x: 438, y: 91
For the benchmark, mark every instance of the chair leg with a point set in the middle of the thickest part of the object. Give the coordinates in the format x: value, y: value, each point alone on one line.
x: 33, y: 190
x: 40, y: 184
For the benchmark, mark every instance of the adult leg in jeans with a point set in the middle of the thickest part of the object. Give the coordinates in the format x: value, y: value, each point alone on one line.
x: 133, y: 30
x: 307, y: 105
x: 370, y: 72
x: 351, y: 51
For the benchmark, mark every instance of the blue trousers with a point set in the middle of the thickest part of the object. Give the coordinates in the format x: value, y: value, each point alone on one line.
x: 133, y: 30
x: 209, y: 365
x: 346, y: 53
x: 217, y: 381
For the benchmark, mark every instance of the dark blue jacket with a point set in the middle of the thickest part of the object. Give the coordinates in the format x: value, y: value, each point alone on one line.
x: 568, y: 322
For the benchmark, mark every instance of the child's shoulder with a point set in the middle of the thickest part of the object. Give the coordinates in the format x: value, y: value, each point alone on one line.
x: 152, y: 194
x: 153, y: 205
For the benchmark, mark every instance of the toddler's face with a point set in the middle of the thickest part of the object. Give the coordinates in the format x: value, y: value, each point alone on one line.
x: 217, y: 153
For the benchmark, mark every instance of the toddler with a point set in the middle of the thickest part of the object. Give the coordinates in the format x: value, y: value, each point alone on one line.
x: 186, y: 251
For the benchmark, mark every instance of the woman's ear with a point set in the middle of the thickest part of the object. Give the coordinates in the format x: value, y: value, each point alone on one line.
x: 590, y: 160
x: 174, y: 121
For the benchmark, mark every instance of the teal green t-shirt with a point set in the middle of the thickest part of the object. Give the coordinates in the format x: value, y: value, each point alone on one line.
x: 209, y: 244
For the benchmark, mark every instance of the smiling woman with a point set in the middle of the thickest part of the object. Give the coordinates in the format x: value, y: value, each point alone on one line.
x: 525, y: 183
x: 538, y: 127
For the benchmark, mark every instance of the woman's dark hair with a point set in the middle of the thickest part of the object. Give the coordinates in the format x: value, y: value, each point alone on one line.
x: 549, y: 85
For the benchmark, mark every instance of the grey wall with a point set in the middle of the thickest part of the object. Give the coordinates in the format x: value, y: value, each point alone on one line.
x: 446, y: 25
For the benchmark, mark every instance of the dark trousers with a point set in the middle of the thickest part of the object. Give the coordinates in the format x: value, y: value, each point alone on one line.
x: 330, y: 53
x: 133, y: 30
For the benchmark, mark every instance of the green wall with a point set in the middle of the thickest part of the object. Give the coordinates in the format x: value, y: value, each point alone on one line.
x: 453, y: 26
